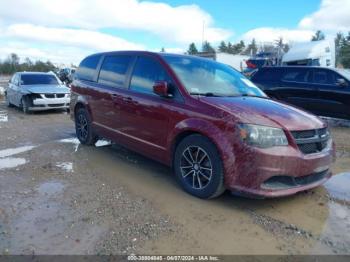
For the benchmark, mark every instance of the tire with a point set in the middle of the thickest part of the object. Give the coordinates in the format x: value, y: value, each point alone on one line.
x: 25, y: 102
x: 194, y: 157
x: 83, y: 127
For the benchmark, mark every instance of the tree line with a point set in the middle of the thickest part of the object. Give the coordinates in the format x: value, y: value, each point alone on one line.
x: 342, y: 47
x: 12, y: 64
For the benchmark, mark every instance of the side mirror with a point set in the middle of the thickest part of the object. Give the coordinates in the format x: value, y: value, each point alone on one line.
x: 161, y: 88
x: 341, y: 82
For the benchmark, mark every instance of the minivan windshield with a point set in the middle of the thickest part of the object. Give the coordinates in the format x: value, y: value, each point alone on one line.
x: 201, y: 76
x: 38, y: 79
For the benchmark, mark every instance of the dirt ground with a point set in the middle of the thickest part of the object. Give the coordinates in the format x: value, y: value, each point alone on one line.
x: 58, y: 197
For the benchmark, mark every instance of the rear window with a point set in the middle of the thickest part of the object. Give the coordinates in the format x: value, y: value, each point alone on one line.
x: 87, y: 67
x: 39, y: 79
x: 267, y: 74
x: 113, y: 70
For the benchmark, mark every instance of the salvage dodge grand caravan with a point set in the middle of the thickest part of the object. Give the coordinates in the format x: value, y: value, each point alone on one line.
x: 211, y: 124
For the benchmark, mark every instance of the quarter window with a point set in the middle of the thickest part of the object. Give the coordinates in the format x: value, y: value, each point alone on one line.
x: 146, y: 72
x: 113, y: 70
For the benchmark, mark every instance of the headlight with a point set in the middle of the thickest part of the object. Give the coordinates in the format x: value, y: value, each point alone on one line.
x: 262, y: 136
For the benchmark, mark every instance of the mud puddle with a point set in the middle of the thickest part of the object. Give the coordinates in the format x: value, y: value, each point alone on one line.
x: 293, y: 225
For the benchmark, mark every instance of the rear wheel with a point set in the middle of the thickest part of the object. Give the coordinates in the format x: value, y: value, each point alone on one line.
x: 198, y: 167
x: 83, y: 128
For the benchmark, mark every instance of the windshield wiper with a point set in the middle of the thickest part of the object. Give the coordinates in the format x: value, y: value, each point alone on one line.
x: 205, y: 94
x: 265, y: 97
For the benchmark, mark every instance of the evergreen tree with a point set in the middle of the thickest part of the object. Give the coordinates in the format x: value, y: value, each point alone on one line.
x: 207, y: 48
x: 252, y: 48
x: 223, y: 47
x: 229, y: 48
x: 319, y: 35
x: 337, y: 42
x: 192, y: 49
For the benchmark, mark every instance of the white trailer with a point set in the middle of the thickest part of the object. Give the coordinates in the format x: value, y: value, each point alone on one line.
x: 236, y: 61
x: 315, y: 53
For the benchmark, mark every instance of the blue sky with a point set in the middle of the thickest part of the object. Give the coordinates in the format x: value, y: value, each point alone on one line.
x: 240, y: 17
x: 236, y: 16
x: 65, y: 31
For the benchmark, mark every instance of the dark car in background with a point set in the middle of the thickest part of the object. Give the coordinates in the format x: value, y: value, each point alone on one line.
x: 322, y: 91
x: 210, y: 123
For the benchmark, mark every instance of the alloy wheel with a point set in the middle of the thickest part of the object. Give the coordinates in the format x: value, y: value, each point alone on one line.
x: 196, y: 167
x: 82, y: 127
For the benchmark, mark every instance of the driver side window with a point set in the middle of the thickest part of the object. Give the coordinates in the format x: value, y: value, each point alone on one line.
x: 147, y: 71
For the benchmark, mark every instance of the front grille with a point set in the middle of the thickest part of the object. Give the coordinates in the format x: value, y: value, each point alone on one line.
x: 311, y: 141
x: 285, y: 182
x: 304, y: 134
x: 54, y: 95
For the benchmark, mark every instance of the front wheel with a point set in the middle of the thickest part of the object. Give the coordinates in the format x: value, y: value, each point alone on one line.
x: 83, y: 128
x: 25, y: 105
x: 198, y: 167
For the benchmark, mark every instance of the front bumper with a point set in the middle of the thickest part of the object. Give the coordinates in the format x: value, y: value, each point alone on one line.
x: 280, y: 171
x: 40, y: 104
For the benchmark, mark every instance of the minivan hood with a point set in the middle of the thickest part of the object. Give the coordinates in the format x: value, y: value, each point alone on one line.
x: 46, y: 89
x: 262, y: 111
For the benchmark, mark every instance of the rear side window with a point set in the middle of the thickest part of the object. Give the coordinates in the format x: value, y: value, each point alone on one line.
x: 113, y: 70
x: 87, y: 68
x: 296, y: 75
x: 267, y: 74
x: 147, y: 71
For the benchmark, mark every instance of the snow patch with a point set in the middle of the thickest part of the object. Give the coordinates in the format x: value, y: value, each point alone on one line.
x: 2, y: 91
x: 73, y: 140
x: 14, y: 151
x: 10, y: 162
x: 66, y: 166
x: 100, y: 143
x: 3, y: 116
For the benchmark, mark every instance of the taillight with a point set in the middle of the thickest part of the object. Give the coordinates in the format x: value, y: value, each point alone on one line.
x: 250, y: 65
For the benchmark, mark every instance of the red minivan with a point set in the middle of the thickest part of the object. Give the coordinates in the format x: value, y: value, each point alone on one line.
x: 210, y: 123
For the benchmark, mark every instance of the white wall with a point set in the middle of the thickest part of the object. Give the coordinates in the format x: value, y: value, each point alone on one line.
x: 236, y: 61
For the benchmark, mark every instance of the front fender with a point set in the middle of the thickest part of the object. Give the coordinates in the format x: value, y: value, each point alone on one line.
x: 218, y: 135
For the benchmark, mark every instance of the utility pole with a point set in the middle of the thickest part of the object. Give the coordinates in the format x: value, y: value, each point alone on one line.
x: 203, y: 34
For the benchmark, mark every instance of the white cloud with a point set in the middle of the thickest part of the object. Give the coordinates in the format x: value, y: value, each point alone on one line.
x: 333, y: 15
x: 70, y: 37
x: 181, y: 24
x: 269, y: 34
